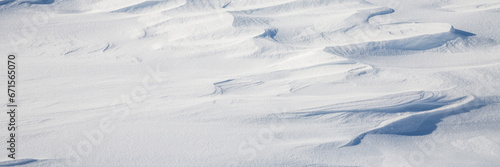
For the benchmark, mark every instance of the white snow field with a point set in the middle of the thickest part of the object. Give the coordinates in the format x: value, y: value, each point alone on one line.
x: 253, y: 82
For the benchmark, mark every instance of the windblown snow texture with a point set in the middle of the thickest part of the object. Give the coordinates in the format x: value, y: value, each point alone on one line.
x: 255, y: 82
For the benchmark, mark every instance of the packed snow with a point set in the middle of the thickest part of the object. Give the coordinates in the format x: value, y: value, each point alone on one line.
x: 254, y: 82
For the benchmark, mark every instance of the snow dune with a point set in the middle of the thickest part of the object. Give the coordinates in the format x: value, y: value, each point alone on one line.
x: 256, y: 83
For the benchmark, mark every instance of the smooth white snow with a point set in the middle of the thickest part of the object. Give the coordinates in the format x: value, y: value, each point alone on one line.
x: 254, y: 82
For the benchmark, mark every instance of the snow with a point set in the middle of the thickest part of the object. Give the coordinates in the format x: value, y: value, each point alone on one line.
x: 254, y: 82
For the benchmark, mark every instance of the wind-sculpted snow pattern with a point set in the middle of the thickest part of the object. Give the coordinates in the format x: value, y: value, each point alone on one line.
x: 255, y: 82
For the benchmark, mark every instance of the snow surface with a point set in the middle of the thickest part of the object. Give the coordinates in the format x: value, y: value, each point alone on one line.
x: 254, y: 82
